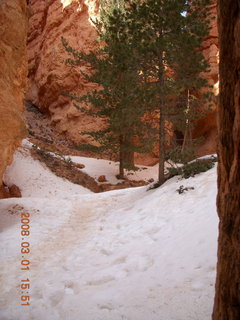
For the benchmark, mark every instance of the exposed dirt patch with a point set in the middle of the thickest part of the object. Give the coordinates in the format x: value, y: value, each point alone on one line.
x: 47, y: 140
x: 44, y: 135
x: 67, y: 169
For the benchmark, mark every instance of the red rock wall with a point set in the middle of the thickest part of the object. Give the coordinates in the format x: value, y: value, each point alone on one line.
x: 13, y: 75
x: 207, y: 126
x: 47, y: 72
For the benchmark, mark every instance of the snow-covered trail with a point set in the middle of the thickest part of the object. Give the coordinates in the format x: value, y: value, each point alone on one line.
x: 126, y: 254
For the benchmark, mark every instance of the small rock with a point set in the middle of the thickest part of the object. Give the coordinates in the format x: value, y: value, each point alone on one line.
x: 4, y: 192
x: 80, y: 165
x: 102, y: 178
x: 15, y: 191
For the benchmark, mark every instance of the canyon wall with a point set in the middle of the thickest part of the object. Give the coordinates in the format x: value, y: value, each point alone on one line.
x: 207, y: 126
x: 13, y: 75
x: 49, y: 75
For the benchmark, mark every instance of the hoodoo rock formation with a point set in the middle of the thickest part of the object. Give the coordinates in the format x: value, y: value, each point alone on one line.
x: 13, y: 75
x: 48, y: 74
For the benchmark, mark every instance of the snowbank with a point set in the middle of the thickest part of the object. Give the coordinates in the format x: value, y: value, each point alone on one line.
x: 128, y: 254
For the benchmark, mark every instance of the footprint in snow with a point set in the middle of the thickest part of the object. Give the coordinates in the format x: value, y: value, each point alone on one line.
x: 71, y: 288
x: 106, y: 252
x: 120, y: 260
x: 108, y: 307
x: 100, y: 281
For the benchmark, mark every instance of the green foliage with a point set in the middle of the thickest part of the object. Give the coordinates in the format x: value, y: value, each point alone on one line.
x: 178, y: 156
x: 192, y: 168
x: 196, y: 167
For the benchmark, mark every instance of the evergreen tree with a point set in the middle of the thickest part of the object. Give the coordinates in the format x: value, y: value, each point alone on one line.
x: 150, y: 58
x: 168, y: 35
x: 121, y: 97
x: 189, y: 64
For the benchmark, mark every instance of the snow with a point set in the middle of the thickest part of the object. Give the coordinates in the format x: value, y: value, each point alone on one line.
x: 98, y: 167
x: 126, y: 254
x: 35, y: 180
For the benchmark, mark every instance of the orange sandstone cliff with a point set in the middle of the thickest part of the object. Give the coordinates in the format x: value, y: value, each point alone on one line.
x: 13, y: 75
x: 48, y: 74
x: 207, y: 126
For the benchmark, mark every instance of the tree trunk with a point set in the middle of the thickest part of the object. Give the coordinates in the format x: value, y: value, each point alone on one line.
x: 162, y: 111
x: 121, y: 158
x: 161, y: 177
x: 128, y: 156
x: 125, y: 157
x: 187, y: 140
x: 227, y: 297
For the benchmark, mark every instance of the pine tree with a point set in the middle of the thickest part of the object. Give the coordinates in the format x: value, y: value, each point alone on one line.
x: 121, y: 97
x: 189, y: 64
x: 150, y: 58
x: 168, y: 33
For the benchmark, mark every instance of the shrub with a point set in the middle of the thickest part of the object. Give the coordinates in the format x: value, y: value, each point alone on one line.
x: 192, y: 168
x: 182, y: 189
x: 198, y: 166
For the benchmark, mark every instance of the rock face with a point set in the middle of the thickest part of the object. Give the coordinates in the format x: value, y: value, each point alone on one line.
x: 47, y: 72
x: 227, y: 298
x: 13, y: 75
x: 207, y: 126
x: 49, y: 75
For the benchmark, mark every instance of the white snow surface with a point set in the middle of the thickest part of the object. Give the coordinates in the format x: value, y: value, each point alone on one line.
x: 35, y: 180
x: 98, y: 167
x: 129, y: 254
